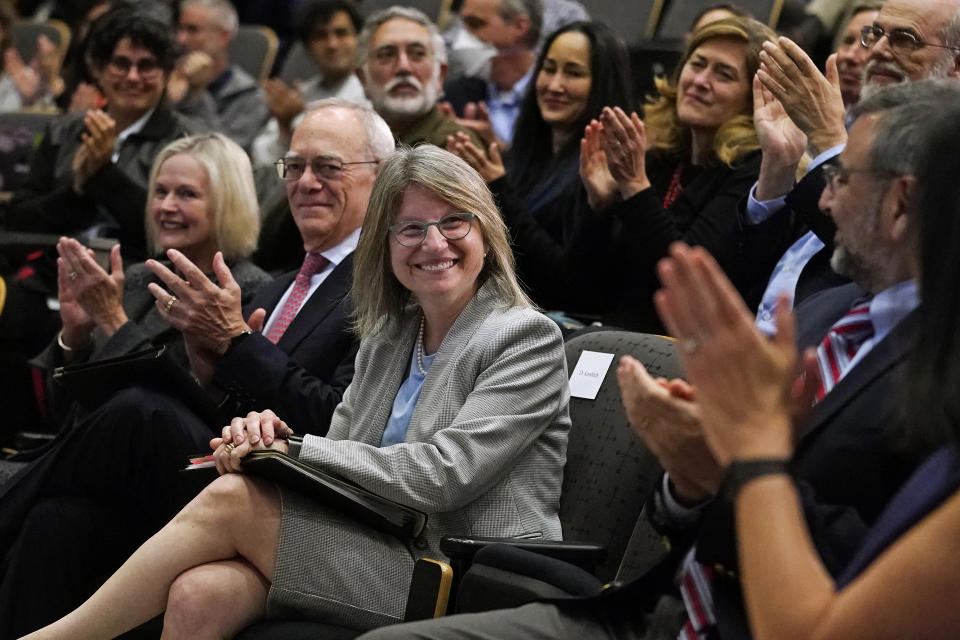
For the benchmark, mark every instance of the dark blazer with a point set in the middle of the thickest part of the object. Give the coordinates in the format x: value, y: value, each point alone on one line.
x: 303, y: 377
x: 848, y: 464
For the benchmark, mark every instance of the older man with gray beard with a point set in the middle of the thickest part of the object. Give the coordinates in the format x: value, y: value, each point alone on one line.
x: 909, y: 40
x: 402, y: 63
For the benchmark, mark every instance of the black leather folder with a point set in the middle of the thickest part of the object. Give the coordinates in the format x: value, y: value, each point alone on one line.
x: 363, y: 505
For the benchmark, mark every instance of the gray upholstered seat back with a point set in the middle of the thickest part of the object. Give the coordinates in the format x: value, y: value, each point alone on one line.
x: 609, y: 472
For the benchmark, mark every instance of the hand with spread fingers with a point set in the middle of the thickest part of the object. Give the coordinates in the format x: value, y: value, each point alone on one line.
x: 84, y: 284
x: 744, y: 381
x: 208, y: 315
x: 781, y: 141
x: 489, y: 165
x: 258, y: 430
x: 666, y: 416
x: 813, y: 101
x: 625, y: 144
x: 599, y: 184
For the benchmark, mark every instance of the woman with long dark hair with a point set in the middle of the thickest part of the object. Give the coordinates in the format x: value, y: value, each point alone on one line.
x: 582, y: 68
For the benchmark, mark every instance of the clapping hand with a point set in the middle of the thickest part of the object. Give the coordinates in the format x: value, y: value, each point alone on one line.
x: 595, y: 174
x: 813, y: 101
x: 744, y: 381
x: 489, y: 166
x: 665, y: 415
x: 99, y: 138
x: 207, y: 314
x: 625, y: 145
x: 91, y: 295
x: 781, y: 141
x: 476, y: 117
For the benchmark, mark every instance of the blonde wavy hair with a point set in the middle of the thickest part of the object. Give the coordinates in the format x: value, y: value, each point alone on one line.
x: 377, y: 295
x: 231, y: 197
x: 735, y: 137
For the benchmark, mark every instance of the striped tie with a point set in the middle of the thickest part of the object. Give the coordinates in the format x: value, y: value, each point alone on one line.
x: 313, y: 264
x: 697, y: 598
x: 840, y: 345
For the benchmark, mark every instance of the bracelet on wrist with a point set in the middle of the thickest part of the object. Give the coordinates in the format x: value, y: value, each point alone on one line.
x: 740, y: 472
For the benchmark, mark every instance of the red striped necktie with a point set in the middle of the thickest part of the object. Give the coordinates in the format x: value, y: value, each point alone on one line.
x: 840, y: 345
x: 313, y: 264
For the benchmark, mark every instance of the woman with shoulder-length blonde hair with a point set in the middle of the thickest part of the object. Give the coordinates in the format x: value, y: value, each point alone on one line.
x: 458, y: 408
x: 676, y: 174
x: 233, y: 210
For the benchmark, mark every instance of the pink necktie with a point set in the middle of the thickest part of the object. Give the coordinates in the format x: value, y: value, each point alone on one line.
x: 840, y: 345
x: 313, y: 264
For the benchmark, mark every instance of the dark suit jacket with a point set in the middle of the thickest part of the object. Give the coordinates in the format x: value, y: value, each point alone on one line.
x: 303, y: 377
x: 847, y: 466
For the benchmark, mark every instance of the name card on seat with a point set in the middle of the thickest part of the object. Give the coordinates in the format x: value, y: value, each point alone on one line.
x: 589, y: 373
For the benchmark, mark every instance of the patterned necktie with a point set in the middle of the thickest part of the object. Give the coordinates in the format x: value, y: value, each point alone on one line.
x: 697, y: 598
x: 313, y: 264
x: 840, y: 345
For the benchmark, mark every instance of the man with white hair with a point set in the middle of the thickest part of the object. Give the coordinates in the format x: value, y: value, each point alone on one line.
x: 402, y: 63
x: 204, y: 85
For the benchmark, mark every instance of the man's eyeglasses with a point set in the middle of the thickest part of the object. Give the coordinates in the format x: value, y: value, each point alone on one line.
x: 121, y: 65
x: 837, y: 174
x: 452, y: 226
x: 902, y: 42
x: 291, y: 169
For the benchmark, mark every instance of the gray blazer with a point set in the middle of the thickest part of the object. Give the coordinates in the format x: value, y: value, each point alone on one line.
x: 486, y: 445
x: 483, y: 455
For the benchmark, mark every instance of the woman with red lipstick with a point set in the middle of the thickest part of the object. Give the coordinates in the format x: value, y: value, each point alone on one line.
x: 678, y: 174
x: 582, y: 67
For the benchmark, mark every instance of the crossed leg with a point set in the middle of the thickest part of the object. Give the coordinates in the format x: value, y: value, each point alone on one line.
x: 229, y: 531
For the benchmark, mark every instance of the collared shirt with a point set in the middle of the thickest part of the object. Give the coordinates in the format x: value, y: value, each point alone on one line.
x: 786, y: 274
x: 504, y: 106
x: 335, y: 255
x: 136, y: 127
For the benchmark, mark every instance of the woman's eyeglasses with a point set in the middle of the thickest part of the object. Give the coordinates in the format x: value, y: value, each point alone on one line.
x: 452, y: 226
x: 121, y: 65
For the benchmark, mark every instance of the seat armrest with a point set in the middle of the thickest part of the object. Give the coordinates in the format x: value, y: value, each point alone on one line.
x: 586, y: 555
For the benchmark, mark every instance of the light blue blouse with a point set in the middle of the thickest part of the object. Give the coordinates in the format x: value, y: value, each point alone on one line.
x: 405, y: 402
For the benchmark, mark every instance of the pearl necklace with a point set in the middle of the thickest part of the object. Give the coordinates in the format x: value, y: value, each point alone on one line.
x: 423, y: 371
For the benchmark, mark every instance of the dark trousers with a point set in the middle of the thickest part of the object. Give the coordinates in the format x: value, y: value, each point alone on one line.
x: 71, y: 517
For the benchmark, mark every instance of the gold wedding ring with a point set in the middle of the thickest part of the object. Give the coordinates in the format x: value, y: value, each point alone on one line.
x: 170, y: 302
x: 229, y: 447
